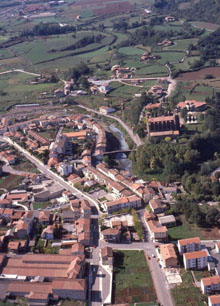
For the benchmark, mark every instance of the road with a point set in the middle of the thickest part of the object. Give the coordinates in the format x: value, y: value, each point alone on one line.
x: 159, y: 280
x: 46, y: 170
x: 136, y: 139
x: 20, y: 70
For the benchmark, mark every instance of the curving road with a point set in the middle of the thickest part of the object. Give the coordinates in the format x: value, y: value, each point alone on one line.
x: 136, y: 139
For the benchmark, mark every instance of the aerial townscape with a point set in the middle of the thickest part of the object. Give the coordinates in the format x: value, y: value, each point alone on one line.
x: 110, y: 152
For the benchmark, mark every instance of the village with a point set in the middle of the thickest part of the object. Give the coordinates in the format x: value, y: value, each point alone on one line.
x: 61, y: 225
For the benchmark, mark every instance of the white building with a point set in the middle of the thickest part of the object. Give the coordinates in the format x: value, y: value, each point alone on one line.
x: 65, y: 169
x: 195, y: 260
x: 210, y: 284
x: 106, y: 110
x: 214, y: 300
x: 189, y: 245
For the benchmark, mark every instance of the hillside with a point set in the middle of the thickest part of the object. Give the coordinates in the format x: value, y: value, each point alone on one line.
x: 203, y: 10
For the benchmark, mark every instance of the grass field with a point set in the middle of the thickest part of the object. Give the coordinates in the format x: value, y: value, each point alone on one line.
x: 132, y: 280
x: 188, y: 230
x: 152, y: 70
x: 124, y: 91
x: 168, y: 56
x: 131, y: 51
x: 16, y: 88
x: 201, y: 274
x: 185, y: 293
x: 38, y: 205
x: 182, y: 44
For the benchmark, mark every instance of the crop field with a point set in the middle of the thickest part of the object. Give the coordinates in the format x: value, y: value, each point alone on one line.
x: 132, y: 282
x: 205, y: 25
x: 186, y: 293
x: 200, y: 74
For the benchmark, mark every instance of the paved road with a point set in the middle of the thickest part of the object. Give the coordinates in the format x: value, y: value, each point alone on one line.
x: 20, y: 70
x: 46, y: 170
x: 136, y: 139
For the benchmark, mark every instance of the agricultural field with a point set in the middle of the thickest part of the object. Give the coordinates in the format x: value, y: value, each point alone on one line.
x: 186, y: 293
x: 132, y: 282
x: 205, y: 25
x: 200, y: 74
x: 16, y: 88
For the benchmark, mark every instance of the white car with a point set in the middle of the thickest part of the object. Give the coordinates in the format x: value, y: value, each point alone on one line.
x: 153, y: 256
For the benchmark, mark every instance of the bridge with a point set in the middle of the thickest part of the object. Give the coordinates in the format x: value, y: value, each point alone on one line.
x: 119, y: 151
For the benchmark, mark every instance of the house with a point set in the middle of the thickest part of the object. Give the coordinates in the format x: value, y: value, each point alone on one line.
x: 157, y: 232
x: 217, y: 247
x: 85, y: 208
x: 168, y: 255
x: 65, y: 169
x: 165, y: 43
x: 77, y: 135
x: 111, y: 234
x: 47, y: 233
x: 14, y: 246
x: 214, y: 300
x: 152, y: 106
x: 106, y: 110
x: 77, y: 249
x: 104, y: 89
x: 192, y: 106
x: 36, y: 298
x: 195, y: 260
x: 58, y: 93
x: 167, y: 221
x: 74, y: 289
x: 189, y: 245
x: 210, y: 284
x: 169, y: 19
x: 22, y: 229
x: 156, y: 206
x: 107, y: 256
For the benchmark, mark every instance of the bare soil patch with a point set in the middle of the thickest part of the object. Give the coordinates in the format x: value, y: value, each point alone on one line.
x: 200, y: 74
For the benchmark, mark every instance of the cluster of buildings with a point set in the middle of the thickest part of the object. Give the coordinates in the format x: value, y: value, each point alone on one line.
x: 147, y: 56
x: 55, y: 271
x: 119, y: 72
x: 169, y: 125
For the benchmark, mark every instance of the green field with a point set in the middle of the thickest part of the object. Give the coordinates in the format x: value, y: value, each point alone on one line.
x: 186, y: 293
x: 171, y: 57
x: 41, y: 205
x: 182, y: 44
x: 16, y: 88
x: 132, y: 282
x: 131, y: 51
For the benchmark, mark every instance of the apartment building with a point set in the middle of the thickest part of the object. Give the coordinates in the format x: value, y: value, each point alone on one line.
x: 214, y: 300
x: 132, y: 201
x: 189, y: 245
x: 210, y: 284
x: 195, y: 260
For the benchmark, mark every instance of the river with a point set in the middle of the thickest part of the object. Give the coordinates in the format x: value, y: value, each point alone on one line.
x: 121, y: 158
